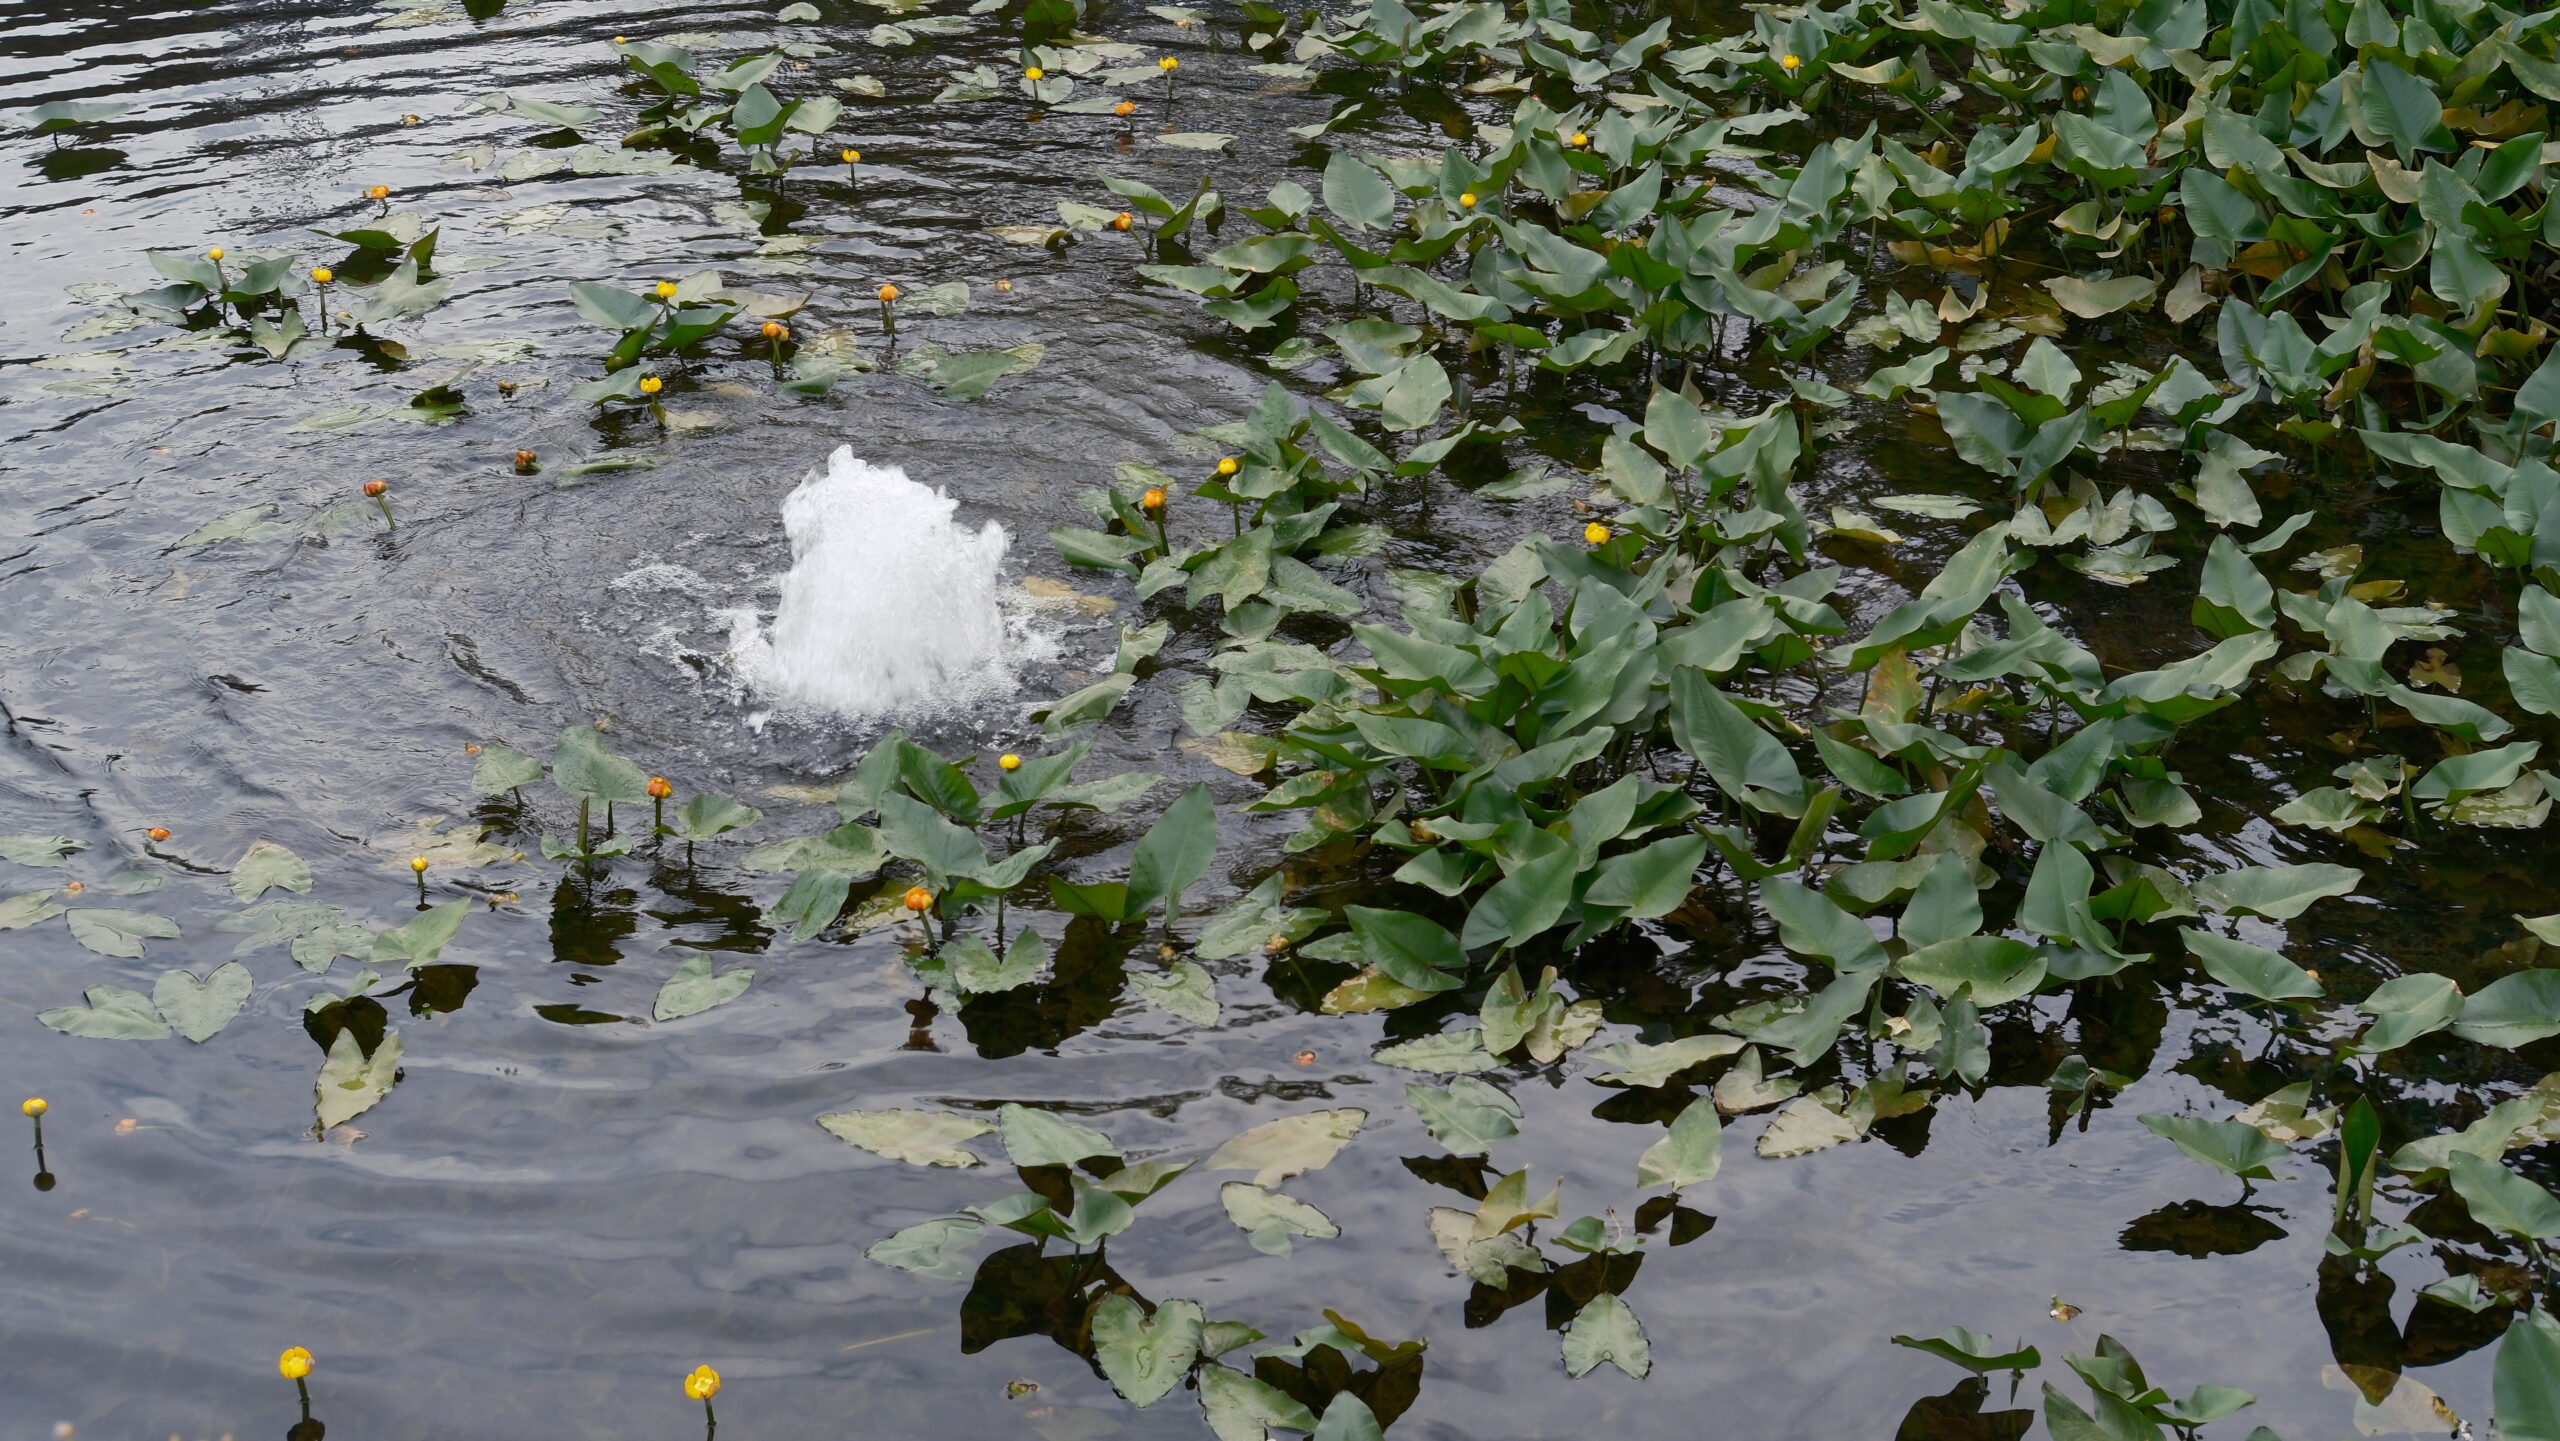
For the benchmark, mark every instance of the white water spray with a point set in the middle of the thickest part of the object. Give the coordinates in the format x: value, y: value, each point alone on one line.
x: 890, y: 607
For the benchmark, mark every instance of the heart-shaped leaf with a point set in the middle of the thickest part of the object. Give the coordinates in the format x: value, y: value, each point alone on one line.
x: 1145, y: 1357
x: 922, y: 1138
x: 199, y: 1009
x: 113, y: 1014
x: 1290, y: 1146
x: 694, y: 989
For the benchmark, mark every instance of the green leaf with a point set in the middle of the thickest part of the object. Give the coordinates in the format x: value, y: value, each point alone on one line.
x: 811, y: 905
x: 2232, y: 1147
x: 1632, y: 1063
x: 2525, y: 1382
x: 352, y: 1083
x: 1270, y: 1219
x: 422, y: 940
x: 1356, y: 194
x: 1175, y: 852
x: 37, y: 850
x: 1652, y: 881
x: 1248, y: 926
x: 1293, y: 1145
x: 2278, y: 893
x: 2405, y: 109
x: 1416, y: 950
x: 1038, y: 1138
x: 1973, y: 1351
x: 1468, y: 1117
x: 1692, y: 1152
x: 1522, y: 904
x: 704, y: 816
x: 2254, y: 969
x: 1184, y: 989
x: 1145, y: 1357
x: 1447, y: 1053
x: 32, y: 908
x: 499, y: 769
x: 1988, y: 970
x: 2512, y: 1011
x: 1241, y: 1408
x: 1348, y: 1418
x: 2502, y: 1200
x: 582, y: 766
x: 268, y: 866
x: 1606, y: 1329
x: 920, y: 1138
x: 978, y: 971
x: 2405, y: 1008
x: 112, y: 932
x: 1747, y: 762
x: 938, y: 1248
x: 693, y: 989
x: 198, y: 1010
x: 112, y: 1014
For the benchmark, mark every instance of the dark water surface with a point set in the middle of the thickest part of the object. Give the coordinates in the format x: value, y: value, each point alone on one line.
x: 561, y: 1208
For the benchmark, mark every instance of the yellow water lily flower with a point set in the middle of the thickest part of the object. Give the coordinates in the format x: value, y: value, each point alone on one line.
x: 33, y: 1106
x: 1596, y: 533
x: 294, y: 1364
x: 702, y: 1384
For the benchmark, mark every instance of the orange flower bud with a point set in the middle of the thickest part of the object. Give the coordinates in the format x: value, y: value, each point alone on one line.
x: 1153, y: 499
x: 373, y: 489
x: 775, y: 330
x: 919, y: 899
x: 1122, y: 220
x: 888, y: 293
x: 659, y: 789
x: 158, y: 833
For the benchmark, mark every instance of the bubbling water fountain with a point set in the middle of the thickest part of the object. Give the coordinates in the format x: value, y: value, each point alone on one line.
x: 890, y: 607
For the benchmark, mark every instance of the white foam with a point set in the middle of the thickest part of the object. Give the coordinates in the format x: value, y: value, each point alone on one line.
x: 890, y: 607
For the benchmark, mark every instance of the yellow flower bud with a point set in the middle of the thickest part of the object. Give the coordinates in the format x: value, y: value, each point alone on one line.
x: 418, y: 864
x: 1579, y: 141
x: 1168, y: 63
x: 1596, y: 533
x: 1009, y: 761
x: 1228, y: 466
x: 1467, y: 200
x: 651, y: 385
x: 666, y: 290
x: 852, y: 156
x: 323, y: 274
x: 214, y: 254
x: 702, y: 1384
x: 1789, y: 63
x: 294, y: 1364
x: 33, y: 1106
x: 1031, y: 73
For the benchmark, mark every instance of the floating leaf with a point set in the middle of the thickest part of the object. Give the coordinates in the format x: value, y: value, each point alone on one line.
x: 32, y: 908
x: 422, y: 940
x: 693, y: 988
x: 1270, y: 1219
x: 500, y: 769
x: 921, y: 1138
x: 1468, y: 1117
x: 119, y: 933
x: 1974, y: 1351
x: 268, y: 866
x: 1290, y: 1146
x: 1691, y: 1153
x: 37, y: 850
x: 197, y: 1009
x: 1037, y: 1138
x: 1606, y: 1329
x: 112, y: 1014
x: 352, y: 1083
x: 1145, y: 1357
x: 936, y: 1248
x: 1184, y: 989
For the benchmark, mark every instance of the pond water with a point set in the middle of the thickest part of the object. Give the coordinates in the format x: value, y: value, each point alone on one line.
x: 563, y: 1206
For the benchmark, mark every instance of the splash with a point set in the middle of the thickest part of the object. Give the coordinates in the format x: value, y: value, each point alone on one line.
x: 890, y: 607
